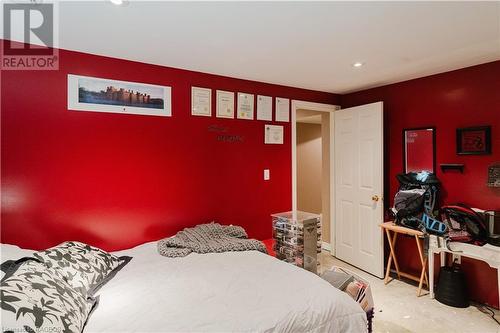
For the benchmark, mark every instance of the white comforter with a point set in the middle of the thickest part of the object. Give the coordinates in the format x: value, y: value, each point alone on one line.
x: 226, y: 292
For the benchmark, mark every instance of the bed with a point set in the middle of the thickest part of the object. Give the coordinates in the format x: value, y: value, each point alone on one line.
x: 225, y: 292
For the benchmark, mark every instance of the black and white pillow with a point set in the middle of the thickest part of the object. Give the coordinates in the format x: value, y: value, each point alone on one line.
x: 84, y: 267
x: 35, y: 298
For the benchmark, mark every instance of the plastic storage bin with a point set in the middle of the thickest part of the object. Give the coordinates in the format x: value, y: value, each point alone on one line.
x: 297, y: 238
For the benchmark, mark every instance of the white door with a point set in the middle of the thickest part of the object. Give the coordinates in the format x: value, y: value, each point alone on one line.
x: 359, y: 187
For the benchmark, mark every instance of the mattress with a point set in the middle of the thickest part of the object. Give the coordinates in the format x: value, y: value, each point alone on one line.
x: 224, y: 292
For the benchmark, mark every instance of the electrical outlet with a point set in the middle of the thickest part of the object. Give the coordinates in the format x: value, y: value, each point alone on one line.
x: 267, y: 174
x: 457, y: 258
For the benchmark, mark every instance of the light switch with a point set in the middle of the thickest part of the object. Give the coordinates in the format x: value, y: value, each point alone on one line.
x: 267, y: 174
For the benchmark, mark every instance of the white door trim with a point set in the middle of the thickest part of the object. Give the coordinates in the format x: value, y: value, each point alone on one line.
x: 321, y: 107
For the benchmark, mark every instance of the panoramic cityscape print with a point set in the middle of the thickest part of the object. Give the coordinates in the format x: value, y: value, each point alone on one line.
x: 109, y: 92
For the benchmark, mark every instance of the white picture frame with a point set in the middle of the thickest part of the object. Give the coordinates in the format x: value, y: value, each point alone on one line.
x: 264, y: 108
x: 201, y: 101
x: 282, y: 109
x: 225, y: 104
x: 87, y: 93
x: 273, y: 134
x: 245, y: 109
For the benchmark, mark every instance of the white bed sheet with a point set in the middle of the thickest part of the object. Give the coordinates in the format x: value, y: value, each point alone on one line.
x: 12, y: 252
x: 226, y: 292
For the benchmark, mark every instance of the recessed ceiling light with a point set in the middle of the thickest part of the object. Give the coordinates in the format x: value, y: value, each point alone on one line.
x: 357, y: 64
x: 117, y: 2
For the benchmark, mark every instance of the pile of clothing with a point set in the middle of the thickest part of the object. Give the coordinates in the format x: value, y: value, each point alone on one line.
x: 415, y: 206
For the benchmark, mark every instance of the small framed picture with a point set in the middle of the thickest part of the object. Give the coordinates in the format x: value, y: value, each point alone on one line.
x: 264, y: 108
x: 201, y: 101
x: 494, y: 175
x: 282, y: 109
x: 273, y: 134
x: 474, y: 140
x: 225, y: 104
x: 245, y: 106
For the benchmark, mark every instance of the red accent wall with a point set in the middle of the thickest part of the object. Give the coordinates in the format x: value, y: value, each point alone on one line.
x: 119, y: 180
x: 461, y: 98
x: 116, y: 180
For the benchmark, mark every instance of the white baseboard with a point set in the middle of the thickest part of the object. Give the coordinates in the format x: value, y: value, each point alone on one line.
x: 326, y: 246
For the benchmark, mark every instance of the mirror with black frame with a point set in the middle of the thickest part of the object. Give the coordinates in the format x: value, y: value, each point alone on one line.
x: 419, y: 149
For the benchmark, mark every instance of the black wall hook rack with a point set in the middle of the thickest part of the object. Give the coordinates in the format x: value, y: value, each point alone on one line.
x: 452, y: 166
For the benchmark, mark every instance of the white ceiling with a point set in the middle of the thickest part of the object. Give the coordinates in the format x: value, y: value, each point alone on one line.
x: 302, y: 44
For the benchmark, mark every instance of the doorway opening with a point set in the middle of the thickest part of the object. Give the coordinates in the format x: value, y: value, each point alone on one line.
x: 351, y: 206
x: 313, y: 159
x: 312, y: 163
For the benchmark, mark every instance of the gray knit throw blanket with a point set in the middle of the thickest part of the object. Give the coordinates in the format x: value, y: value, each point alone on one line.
x: 208, y: 238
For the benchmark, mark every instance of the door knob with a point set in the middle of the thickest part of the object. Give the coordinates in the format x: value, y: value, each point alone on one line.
x: 375, y: 198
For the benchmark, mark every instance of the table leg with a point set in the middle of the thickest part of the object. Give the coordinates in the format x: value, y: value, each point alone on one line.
x: 442, y: 257
x: 498, y: 280
x: 423, y: 277
x: 426, y: 276
x: 394, y: 239
x: 392, y: 256
x: 389, y: 262
x: 430, y: 256
x: 423, y: 262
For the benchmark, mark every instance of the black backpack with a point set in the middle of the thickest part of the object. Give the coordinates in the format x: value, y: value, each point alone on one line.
x: 409, y: 202
x: 410, y: 181
x: 415, y: 197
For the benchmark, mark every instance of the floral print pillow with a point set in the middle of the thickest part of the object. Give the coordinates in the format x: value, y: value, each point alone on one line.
x: 37, y: 299
x: 83, y: 266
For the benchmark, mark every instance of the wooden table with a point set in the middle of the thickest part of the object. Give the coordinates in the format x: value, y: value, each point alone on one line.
x: 396, y: 230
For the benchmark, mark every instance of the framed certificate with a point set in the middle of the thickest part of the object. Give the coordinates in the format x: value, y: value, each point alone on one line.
x: 225, y: 104
x: 245, y: 106
x: 273, y: 134
x: 282, y: 109
x: 201, y: 101
x: 264, y: 108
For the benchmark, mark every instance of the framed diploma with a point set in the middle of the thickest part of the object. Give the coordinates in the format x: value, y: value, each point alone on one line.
x: 264, y: 108
x: 201, y: 101
x: 225, y: 104
x: 245, y: 106
x: 273, y: 134
x: 282, y: 109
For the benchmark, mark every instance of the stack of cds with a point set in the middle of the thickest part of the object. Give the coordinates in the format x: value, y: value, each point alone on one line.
x: 297, y: 238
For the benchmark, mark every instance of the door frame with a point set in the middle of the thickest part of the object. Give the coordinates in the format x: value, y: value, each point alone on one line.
x: 320, y: 107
